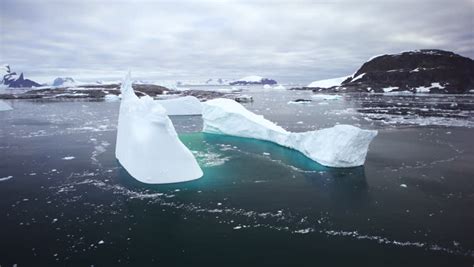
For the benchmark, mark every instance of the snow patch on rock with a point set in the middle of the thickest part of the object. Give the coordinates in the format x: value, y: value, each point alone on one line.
x: 427, y: 89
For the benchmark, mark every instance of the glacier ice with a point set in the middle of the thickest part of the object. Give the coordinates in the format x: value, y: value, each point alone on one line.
x: 186, y: 105
x: 4, y: 106
x: 338, y: 146
x: 328, y: 82
x: 148, y: 146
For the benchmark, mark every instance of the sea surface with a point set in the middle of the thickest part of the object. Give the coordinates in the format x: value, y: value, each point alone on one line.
x: 66, y: 201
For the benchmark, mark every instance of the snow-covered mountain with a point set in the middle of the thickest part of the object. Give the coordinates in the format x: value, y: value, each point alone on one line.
x: 13, y: 80
x: 254, y: 79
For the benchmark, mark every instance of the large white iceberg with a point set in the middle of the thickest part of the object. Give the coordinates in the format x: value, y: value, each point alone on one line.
x: 339, y: 146
x: 4, y: 106
x: 186, y: 105
x: 147, y: 144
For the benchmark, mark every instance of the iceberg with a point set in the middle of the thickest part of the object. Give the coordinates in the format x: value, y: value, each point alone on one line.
x: 4, y: 106
x: 186, y: 105
x: 340, y: 146
x: 147, y: 145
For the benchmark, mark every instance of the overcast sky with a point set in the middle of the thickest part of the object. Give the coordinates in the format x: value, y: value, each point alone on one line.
x: 291, y: 41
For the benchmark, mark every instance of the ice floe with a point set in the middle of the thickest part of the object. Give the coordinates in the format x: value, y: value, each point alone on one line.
x: 6, y: 178
x: 4, y: 106
x: 326, y: 97
x: 339, y: 146
x: 148, y: 146
x: 427, y: 89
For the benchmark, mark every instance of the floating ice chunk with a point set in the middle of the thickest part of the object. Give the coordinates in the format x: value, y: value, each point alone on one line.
x: 267, y: 86
x: 403, y: 185
x: 279, y: 87
x: 187, y: 105
x: 326, y: 97
x: 68, y: 158
x: 5, y: 178
x: 4, y: 106
x: 389, y: 89
x: 300, y: 101
x: 339, y: 146
x: 148, y: 146
x: 243, y: 98
x: 111, y: 98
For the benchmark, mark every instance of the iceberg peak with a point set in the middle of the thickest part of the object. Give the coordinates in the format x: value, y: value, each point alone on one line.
x: 127, y: 89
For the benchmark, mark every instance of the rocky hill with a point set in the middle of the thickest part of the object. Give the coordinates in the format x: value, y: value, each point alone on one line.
x: 419, y: 71
x: 434, y: 71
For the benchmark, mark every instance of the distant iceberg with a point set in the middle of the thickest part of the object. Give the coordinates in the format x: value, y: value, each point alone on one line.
x: 338, y: 146
x: 148, y: 146
x: 64, y: 82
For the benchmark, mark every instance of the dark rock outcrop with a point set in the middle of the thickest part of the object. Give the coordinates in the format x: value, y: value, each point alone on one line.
x: 429, y: 70
x: 88, y: 91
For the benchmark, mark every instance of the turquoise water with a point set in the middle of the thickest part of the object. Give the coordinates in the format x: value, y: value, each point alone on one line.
x: 69, y: 202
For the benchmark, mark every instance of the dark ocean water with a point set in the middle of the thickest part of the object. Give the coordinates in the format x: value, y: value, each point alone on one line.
x: 66, y: 200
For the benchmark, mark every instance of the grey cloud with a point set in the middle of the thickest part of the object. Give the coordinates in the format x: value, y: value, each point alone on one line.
x: 296, y: 41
